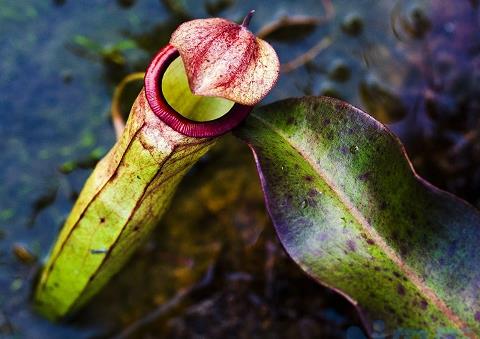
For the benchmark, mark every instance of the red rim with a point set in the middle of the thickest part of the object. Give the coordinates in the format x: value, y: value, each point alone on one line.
x: 175, y: 120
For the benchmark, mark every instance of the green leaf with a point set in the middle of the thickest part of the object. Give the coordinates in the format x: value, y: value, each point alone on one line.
x: 351, y: 212
x: 124, y: 45
x: 88, y: 44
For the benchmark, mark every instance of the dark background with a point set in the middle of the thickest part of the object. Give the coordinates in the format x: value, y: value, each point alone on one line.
x: 412, y: 64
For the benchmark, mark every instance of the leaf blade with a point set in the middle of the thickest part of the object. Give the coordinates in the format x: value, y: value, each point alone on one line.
x: 347, y: 204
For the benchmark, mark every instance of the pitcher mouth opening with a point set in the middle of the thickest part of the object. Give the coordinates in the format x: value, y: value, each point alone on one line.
x: 165, y: 112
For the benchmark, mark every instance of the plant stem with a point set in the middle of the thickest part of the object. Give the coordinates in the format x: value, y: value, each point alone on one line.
x: 247, y: 19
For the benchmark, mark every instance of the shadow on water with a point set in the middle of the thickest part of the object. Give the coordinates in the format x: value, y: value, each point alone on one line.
x: 412, y: 64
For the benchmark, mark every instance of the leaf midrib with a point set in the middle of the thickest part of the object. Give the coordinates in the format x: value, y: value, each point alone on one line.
x: 369, y: 229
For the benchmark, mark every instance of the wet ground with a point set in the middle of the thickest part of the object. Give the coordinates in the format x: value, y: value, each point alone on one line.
x: 412, y: 64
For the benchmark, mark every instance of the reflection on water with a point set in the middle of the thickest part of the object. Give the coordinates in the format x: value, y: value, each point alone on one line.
x: 412, y: 64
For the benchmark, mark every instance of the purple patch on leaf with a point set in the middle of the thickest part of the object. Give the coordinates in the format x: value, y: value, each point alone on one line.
x: 351, y: 245
x: 423, y: 304
x: 400, y: 289
x: 309, y: 178
x: 365, y: 176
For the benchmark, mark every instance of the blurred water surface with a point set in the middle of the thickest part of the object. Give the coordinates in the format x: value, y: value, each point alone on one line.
x: 412, y: 64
